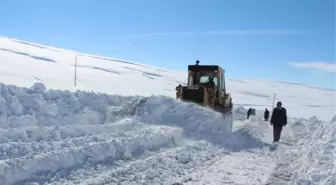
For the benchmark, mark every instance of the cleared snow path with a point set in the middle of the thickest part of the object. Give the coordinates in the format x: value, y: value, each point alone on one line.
x: 249, y: 160
x: 284, y: 156
x: 251, y: 167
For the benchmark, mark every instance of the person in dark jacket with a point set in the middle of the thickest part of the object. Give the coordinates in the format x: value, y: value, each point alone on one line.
x: 266, y: 115
x: 278, y: 120
x: 249, y: 112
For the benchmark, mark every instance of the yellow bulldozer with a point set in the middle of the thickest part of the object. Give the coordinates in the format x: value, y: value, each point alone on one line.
x: 206, y: 87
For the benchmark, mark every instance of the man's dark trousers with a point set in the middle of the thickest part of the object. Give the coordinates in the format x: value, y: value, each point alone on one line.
x: 277, y: 132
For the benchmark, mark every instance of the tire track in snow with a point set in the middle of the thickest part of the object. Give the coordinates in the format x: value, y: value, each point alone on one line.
x: 281, y: 173
x: 128, y: 146
x: 38, y: 140
x: 165, y: 167
x: 235, y: 169
x: 285, y: 156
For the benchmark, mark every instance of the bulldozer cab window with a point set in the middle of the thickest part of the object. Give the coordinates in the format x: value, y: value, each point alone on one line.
x: 205, y: 79
x: 222, y: 82
x: 191, y: 80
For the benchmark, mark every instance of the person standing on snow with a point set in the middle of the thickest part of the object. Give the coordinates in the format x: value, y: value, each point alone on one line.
x: 266, y: 115
x: 278, y: 120
x: 249, y: 112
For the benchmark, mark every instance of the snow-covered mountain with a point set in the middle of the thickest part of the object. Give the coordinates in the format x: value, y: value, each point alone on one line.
x: 23, y: 63
x: 64, y: 136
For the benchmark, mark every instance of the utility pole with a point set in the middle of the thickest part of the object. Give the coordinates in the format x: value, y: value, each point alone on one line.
x: 273, y: 100
x: 75, y: 70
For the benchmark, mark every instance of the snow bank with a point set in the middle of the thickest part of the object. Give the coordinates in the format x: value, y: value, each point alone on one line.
x: 194, y: 119
x: 31, y: 107
x: 43, y: 131
x: 316, y: 153
x: 48, y: 133
x: 239, y: 113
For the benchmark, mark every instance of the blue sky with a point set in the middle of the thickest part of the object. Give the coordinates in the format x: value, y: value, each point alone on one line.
x: 284, y: 40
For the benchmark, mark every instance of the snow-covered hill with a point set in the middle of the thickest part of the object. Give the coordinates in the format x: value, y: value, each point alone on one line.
x: 23, y: 63
x: 54, y: 137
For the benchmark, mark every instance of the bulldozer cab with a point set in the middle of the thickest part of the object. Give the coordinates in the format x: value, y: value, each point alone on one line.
x: 211, y: 76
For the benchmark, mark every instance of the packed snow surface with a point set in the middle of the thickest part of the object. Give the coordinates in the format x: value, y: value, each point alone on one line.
x: 87, y: 134
x: 24, y: 63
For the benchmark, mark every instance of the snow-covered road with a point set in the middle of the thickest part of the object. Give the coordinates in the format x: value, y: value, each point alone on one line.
x: 57, y: 137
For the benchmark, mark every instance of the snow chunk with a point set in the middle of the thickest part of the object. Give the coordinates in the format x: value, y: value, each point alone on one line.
x: 38, y: 87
